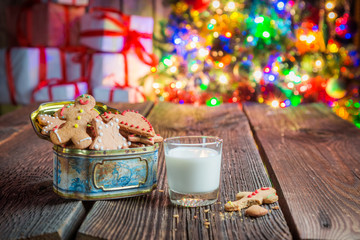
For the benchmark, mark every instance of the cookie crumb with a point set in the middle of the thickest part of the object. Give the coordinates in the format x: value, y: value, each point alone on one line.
x: 175, y: 215
x: 269, y: 210
x: 206, y: 210
x: 195, y: 217
x: 275, y: 208
x: 218, y: 203
x: 206, y: 223
x: 160, y: 190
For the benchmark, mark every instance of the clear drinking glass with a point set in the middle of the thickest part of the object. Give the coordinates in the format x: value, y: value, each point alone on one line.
x: 193, y: 165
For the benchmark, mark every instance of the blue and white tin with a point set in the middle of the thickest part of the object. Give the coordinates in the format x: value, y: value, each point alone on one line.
x: 98, y: 175
x: 95, y: 175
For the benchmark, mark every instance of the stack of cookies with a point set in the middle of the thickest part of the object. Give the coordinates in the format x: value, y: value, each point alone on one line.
x: 79, y: 125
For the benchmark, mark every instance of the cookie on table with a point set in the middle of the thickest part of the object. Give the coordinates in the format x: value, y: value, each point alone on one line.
x: 107, y: 136
x: 49, y: 123
x: 77, y: 116
x: 265, y: 195
x: 256, y: 211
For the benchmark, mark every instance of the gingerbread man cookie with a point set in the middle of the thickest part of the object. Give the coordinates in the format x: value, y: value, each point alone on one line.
x: 263, y: 195
x: 107, y: 136
x: 49, y: 122
x: 77, y: 116
x: 131, y: 121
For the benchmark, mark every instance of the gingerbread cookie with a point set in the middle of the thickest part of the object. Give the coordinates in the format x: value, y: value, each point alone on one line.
x: 77, y: 116
x: 256, y: 211
x: 107, y: 136
x: 132, y: 122
x: 145, y: 140
x: 49, y: 122
x: 263, y: 195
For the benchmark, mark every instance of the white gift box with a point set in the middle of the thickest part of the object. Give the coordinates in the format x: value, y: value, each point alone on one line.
x: 69, y: 2
x: 108, y: 69
x: 102, y: 41
x: 130, y: 94
x: 25, y: 66
x: 74, y: 68
x: 61, y: 92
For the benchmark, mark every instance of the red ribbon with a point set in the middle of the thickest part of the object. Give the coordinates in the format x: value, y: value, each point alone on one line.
x: 132, y: 37
x: 10, y: 76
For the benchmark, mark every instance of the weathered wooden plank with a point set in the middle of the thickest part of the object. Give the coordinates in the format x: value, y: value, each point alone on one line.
x: 313, y: 158
x: 151, y: 216
x: 13, y: 123
x: 28, y: 206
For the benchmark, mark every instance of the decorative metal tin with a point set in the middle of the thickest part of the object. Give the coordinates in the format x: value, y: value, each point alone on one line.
x: 97, y: 175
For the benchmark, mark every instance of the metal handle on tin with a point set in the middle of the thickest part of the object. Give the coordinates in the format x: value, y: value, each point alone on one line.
x: 147, y: 171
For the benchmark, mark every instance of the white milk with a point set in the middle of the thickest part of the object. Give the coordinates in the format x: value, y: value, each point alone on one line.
x: 193, y: 169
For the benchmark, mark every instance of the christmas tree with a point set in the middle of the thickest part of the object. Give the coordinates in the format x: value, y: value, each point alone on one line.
x: 278, y: 52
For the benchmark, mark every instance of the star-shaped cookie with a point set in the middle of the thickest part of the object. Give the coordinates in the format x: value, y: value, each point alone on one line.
x: 107, y: 136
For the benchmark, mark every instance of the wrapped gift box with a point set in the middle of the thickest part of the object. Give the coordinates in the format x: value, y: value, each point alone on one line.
x: 107, y: 31
x: 75, y: 65
x: 110, y: 69
x: 72, y: 2
x: 60, y: 92
x: 113, y: 94
x: 45, y: 24
x: 21, y: 70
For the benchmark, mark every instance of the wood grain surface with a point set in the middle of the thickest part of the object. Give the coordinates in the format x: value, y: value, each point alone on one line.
x: 28, y: 207
x: 313, y: 158
x: 152, y: 216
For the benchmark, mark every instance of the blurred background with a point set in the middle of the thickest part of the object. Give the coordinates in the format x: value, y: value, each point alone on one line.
x: 277, y: 52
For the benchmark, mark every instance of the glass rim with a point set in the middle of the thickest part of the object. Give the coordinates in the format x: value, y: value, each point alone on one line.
x: 217, y: 140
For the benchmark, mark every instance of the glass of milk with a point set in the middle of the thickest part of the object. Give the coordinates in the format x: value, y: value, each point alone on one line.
x: 193, y: 165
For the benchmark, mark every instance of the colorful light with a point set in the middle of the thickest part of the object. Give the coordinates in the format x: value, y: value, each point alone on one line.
x: 250, y: 38
x: 223, y: 79
x: 203, y: 52
x: 228, y: 34
x: 259, y: 19
x: 318, y: 63
x: 173, y: 69
x: 194, y: 67
x: 257, y: 75
x: 230, y: 6
x: 305, y: 77
x: 329, y: 5
x: 271, y: 77
x: 266, y: 34
x: 275, y: 103
x: 153, y: 69
x: 168, y: 62
x: 331, y: 15
x: 280, y: 5
x: 210, y: 26
x: 213, y: 102
x: 216, y: 4
x: 177, y: 41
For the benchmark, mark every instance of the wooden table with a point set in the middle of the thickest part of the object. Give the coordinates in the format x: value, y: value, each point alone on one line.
x: 308, y: 154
